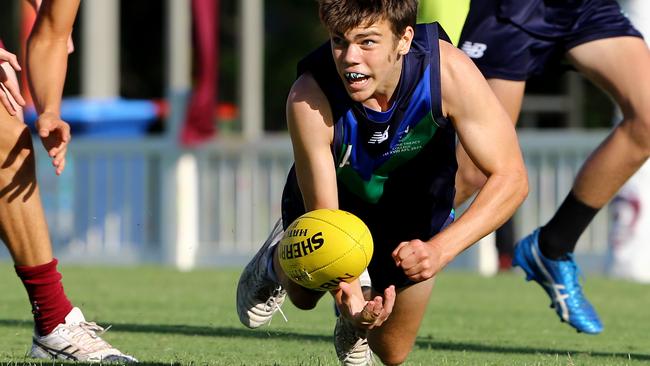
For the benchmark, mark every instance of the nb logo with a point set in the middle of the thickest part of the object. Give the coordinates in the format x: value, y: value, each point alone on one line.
x: 379, y: 137
x: 474, y: 49
x: 405, y: 132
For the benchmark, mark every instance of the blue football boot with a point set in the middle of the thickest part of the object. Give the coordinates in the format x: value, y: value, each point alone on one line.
x: 559, y: 278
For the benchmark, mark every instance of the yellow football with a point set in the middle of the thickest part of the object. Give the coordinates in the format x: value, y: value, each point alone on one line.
x: 324, y: 247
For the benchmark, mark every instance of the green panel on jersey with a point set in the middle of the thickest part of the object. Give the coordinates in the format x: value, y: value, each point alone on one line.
x: 372, y: 189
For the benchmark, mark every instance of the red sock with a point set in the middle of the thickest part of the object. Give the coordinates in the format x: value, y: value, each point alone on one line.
x: 45, y: 291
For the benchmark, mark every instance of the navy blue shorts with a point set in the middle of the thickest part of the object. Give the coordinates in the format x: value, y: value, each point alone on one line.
x: 382, y: 269
x: 516, y: 39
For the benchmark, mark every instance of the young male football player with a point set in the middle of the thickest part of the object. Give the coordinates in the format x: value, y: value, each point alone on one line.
x: 373, y: 117
x: 510, y: 40
x: 60, y: 329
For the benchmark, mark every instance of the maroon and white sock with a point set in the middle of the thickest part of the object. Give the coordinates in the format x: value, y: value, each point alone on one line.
x: 46, y: 295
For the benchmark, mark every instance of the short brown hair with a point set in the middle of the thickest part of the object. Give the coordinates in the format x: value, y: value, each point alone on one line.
x: 342, y: 15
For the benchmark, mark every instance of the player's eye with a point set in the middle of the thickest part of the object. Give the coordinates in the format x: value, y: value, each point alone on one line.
x: 337, y: 41
x: 368, y: 42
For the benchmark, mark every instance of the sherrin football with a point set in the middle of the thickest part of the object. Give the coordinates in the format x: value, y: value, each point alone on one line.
x: 324, y: 247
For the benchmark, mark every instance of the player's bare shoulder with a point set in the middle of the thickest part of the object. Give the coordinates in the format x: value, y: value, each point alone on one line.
x: 458, y: 75
x: 308, y: 109
x: 305, y: 92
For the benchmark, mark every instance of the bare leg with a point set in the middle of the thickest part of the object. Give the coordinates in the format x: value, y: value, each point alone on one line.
x: 22, y: 222
x: 394, y: 339
x: 621, y: 66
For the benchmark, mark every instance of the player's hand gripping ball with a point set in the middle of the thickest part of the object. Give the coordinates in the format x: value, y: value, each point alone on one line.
x: 324, y: 247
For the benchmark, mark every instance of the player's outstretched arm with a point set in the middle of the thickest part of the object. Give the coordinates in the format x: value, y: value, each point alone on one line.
x: 490, y: 140
x: 311, y: 130
x: 47, y: 57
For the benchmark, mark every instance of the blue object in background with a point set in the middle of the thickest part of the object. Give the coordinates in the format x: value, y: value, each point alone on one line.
x: 104, y: 118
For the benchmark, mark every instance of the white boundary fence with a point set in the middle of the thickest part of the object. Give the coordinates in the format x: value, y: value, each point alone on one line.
x: 117, y: 202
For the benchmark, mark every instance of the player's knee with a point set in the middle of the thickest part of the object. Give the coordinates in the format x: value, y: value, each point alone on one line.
x: 302, y: 298
x: 303, y: 304
x: 638, y: 129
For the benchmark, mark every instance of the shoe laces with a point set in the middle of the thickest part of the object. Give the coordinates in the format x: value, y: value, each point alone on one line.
x: 360, y: 342
x: 87, y: 334
x: 272, y: 302
x: 278, y: 292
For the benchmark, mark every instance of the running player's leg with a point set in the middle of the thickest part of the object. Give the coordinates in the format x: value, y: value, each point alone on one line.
x: 620, y: 66
x: 546, y: 254
x: 608, y: 50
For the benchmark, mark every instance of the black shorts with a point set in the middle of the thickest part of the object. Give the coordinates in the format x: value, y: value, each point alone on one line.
x: 382, y: 269
x: 516, y: 39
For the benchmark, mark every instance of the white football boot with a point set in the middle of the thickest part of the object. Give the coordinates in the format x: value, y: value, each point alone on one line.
x: 258, y: 297
x: 77, y: 340
x: 351, y: 344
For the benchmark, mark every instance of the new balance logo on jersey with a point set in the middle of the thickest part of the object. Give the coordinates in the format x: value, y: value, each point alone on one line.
x: 406, y: 132
x: 474, y: 49
x: 379, y: 137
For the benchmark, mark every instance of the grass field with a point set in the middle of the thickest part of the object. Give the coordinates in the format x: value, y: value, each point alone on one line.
x: 164, y: 317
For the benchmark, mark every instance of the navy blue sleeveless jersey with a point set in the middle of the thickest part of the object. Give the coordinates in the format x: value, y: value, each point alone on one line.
x: 395, y: 169
x: 516, y: 39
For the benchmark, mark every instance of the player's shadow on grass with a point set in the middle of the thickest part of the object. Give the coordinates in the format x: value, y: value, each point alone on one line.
x: 265, y: 332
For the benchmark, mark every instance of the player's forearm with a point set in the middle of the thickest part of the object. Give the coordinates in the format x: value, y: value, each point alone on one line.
x: 495, y: 203
x: 47, y: 52
x: 47, y: 60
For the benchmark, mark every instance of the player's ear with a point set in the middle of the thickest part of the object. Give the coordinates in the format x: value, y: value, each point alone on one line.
x: 404, y: 42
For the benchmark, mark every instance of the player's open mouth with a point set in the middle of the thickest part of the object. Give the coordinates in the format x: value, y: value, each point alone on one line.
x: 355, y: 78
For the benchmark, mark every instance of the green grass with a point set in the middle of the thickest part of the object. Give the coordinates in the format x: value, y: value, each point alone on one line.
x: 164, y: 317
